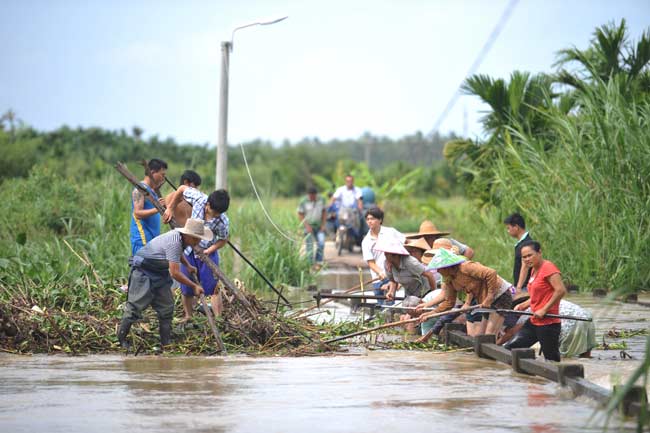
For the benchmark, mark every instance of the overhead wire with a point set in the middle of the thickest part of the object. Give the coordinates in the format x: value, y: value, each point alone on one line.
x: 505, y: 16
x: 259, y: 199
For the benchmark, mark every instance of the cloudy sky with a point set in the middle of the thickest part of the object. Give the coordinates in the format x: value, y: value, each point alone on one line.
x: 333, y: 69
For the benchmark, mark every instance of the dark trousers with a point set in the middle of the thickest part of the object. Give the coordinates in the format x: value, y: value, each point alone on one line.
x: 146, y: 288
x: 547, y: 335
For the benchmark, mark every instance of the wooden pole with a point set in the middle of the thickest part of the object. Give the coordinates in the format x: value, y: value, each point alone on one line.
x: 527, y: 313
x: 213, y: 326
x: 400, y: 322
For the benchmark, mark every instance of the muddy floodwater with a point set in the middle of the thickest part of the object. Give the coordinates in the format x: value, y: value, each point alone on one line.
x: 361, y: 391
x: 377, y: 391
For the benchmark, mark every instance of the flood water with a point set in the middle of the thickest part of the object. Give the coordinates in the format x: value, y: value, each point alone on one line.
x: 363, y: 391
x: 390, y: 391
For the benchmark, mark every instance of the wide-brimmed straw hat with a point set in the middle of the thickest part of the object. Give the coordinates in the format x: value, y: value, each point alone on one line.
x: 390, y: 245
x: 427, y: 256
x: 418, y: 243
x: 444, y: 259
x: 196, y: 228
x: 427, y: 228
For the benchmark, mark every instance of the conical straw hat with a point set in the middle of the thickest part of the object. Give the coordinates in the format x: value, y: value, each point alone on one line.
x: 444, y: 259
x: 418, y: 243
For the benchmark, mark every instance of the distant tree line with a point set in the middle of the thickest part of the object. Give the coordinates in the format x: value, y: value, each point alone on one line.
x: 281, y: 170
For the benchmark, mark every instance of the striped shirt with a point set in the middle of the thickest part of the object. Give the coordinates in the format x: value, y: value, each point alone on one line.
x: 198, y: 201
x: 220, y: 225
x: 168, y: 246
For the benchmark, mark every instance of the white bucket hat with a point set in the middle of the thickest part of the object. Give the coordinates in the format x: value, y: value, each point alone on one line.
x: 196, y: 228
x: 390, y: 245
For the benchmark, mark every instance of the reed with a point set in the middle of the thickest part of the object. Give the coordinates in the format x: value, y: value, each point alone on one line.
x: 587, y: 198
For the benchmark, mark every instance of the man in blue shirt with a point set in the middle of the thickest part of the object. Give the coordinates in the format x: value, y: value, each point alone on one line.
x: 145, y: 220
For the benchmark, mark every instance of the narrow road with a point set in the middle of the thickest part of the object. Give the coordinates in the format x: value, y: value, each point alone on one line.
x: 345, y: 260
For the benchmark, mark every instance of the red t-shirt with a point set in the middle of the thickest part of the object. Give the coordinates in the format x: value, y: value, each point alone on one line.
x: 541, y: 292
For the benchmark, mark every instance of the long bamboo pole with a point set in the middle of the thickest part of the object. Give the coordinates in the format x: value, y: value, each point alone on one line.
x: 399, y: 322
x: 528, y: 313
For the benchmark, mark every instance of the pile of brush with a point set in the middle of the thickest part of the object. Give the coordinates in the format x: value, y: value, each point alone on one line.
x: 246, y: 326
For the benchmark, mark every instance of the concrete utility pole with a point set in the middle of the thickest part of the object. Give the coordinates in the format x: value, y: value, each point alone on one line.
x: 222, y: 145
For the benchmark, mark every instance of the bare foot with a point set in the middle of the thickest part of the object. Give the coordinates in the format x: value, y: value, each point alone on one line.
x: 185, y: 320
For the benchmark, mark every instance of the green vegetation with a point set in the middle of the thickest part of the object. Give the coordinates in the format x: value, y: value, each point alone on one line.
x: 283, y: 171
x: 572, y: 160
x: 569, y: 150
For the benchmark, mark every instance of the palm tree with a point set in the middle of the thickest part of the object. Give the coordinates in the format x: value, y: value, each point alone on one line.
x: 518, y: 105
x: 10, y: 118
x: 610, y: 56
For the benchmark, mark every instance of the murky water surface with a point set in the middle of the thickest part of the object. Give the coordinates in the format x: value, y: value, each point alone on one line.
x: 380, y: 391
x: 365, y: 391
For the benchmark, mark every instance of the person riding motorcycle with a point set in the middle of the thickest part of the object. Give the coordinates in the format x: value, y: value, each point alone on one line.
x: 349, y: 214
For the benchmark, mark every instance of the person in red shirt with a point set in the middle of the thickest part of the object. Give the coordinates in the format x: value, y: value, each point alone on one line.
x: 546, y: 289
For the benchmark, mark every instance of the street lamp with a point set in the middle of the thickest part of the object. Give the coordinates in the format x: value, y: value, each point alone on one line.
x: 222, y: 145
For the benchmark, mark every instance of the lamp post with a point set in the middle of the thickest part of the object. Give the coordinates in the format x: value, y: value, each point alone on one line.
x: 222, y: 145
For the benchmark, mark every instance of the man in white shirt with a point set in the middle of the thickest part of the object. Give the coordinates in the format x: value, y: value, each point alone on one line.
x: 348, y: 195
x: 375, y: 259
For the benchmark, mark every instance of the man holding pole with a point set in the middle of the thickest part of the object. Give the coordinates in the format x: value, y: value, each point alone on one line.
x: 213, y: 209
x: 145, y: 219
x: 150, y: 281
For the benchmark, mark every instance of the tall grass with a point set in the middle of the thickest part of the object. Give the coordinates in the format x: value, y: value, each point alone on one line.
x: 275, y: 250
x: 63, y: 241
x: 587, y: 199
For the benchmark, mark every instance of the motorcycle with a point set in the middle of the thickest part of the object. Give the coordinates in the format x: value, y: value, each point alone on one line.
x: 348, y: 233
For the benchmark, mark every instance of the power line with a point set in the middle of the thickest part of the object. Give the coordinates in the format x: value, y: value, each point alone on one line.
x: 259, y: 199
x: 479, y: 59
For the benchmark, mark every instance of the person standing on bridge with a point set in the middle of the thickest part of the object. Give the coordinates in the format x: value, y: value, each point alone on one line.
x: 376, y: 259
x: 312, y: 215
x: 516, y: 226
x: 150, y: 281
x: 404, y: 270
x: 546, y: 290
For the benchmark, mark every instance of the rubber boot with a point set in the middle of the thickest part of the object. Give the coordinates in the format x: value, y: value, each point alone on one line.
x: 123, y: 333
x: 165, y: 333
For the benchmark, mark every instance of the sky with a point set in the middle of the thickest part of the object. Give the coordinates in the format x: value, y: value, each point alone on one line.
x: 334, y: 69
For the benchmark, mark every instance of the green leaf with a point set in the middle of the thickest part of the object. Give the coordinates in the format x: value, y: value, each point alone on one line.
x: 21, y: 238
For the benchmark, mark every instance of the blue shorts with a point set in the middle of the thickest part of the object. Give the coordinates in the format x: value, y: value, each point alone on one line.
x: 206, y: 279
x: 475, y: 317
x: 376, y: 286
